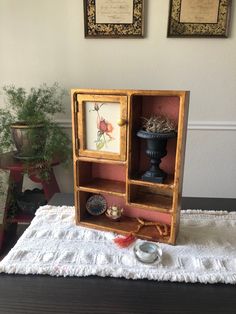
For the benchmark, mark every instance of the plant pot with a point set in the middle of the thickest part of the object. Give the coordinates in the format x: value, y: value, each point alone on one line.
x: 29, y: 140
x: 156, y: 150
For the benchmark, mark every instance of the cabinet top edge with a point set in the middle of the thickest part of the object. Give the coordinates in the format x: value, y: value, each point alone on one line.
x: 130, y: 92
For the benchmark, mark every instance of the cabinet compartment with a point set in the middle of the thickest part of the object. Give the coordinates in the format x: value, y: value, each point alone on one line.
x: 101, y: 177
x: 126, y: 225
x: 143, y: 106
x: 150, y: 197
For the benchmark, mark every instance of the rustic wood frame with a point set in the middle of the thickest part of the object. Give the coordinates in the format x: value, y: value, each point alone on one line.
x: 83, y: 151
x: 180, y: 29
x: 109, y: 30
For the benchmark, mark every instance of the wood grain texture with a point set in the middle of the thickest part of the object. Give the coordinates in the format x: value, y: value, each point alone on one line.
x: 179, y: 165
x: 74, y: 111
x: 125, y: 226
x: 98, y: 185
x: 101, y: 160
x: 44, y: 294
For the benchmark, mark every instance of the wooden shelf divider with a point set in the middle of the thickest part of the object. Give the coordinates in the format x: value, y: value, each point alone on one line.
x: 168, y: 185
x: 98, y: 185
x: 99, y: 160
x: 153, y: 202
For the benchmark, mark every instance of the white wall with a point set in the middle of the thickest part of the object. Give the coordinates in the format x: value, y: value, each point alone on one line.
x: 43, y: 41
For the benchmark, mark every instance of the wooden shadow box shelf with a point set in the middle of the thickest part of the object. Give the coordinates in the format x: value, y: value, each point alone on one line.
x: 109, y: 159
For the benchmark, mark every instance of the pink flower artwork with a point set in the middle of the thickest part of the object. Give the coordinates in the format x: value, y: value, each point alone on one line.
x: 104, y: 129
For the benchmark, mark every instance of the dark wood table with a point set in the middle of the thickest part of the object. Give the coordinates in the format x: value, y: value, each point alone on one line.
x: 45, y: 294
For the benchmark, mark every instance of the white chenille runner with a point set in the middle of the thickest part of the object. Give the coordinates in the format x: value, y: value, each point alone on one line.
x: 54, y: 245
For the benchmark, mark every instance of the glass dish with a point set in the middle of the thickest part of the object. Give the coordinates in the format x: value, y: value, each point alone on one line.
x: 147, y: 252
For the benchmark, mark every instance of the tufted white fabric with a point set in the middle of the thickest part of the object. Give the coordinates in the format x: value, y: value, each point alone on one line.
x: 53, y: 245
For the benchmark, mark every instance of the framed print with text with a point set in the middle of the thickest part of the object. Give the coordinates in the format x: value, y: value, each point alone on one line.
x: 113, y: 18
x: 199, y: 18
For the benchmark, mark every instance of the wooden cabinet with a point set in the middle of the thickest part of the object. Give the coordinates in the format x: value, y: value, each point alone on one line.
x: 109, y: 159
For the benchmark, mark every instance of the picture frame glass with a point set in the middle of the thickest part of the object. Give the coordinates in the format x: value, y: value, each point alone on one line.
x: 102, y: 132
x: 113, y: 18
x: 195, y: 11
x: 103, y: 126
x: 199, y: 18
x: 114, y: 12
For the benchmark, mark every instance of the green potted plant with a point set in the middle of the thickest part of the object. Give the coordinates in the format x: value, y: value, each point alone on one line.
x: 27, y: 126
x: 156, y: 131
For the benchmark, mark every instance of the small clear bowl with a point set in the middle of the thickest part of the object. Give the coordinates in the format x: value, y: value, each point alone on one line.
x: 148, y: 252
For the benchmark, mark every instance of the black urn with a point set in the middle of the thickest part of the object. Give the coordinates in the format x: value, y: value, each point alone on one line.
x: 156, y: 150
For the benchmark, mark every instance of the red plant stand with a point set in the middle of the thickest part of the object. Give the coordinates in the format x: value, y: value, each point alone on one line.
x: 17, y: 171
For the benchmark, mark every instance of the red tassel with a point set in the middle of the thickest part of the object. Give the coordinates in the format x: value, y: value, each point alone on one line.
x: 123, y: 242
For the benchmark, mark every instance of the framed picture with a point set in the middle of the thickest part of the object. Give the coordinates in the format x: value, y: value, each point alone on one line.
x: 113, y: 18
x: 199, y: 18
x: 102, y: 126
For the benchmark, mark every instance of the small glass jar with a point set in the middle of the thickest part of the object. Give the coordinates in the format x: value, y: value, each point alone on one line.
x: 147, y: 252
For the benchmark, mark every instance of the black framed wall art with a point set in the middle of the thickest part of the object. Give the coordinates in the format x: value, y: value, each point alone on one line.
x: 113, y: 18
x: 199, y: 18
